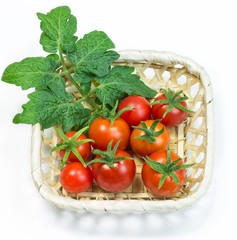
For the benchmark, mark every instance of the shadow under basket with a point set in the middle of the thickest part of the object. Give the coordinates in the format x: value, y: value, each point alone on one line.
x: 193, y: 140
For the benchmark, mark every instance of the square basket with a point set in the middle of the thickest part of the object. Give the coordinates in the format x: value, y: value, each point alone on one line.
x: 193, y: 140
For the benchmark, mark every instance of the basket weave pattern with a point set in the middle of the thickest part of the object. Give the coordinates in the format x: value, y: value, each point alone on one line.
x: 188, y: 140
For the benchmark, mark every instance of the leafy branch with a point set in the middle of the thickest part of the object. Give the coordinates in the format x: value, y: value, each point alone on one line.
x: 89, y: 61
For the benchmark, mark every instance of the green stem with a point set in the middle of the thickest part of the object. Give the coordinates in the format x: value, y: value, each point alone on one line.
x: 72, y: 80
x: 92, y: 103
x: 91, y: 92
x: 80, y: 100
x: 62, y: 60
x: 67, y: 73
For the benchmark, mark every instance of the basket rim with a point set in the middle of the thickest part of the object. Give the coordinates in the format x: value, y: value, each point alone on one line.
x: 162, y: 57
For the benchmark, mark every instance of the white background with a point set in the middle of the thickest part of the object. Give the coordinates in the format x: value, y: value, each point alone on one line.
x: 203, y: 30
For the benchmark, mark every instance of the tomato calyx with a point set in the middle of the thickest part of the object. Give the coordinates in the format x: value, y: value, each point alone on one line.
x: 150, y: 133
x: 168, y: 168
x: 172, y: 100
x: 70, y: 145
x: 111, y: 114
x: 108, y: 157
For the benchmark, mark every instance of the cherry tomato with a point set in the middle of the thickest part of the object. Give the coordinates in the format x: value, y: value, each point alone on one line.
x: 102, y: 133
x: 114, y: 179
x: 151, y: 178
x: 84, y: 149
x: 173, y: 118
x: 141, y: 106
x: 143, y: 148
x: 75, y: 178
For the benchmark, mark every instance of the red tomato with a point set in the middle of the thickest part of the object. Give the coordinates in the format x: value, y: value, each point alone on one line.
x: 151, y: 178
x: 173, y: 118
x: 75, y: 178
x: 84, y: 149
x: 141, y: 106
x: 114, y: 179
x: 143, y: 148
x: 102, y: 133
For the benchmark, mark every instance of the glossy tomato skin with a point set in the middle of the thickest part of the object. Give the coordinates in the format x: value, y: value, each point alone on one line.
x: 173, y: 118
x: 102, y: 133
x: 114, y: 179
x: 141, y: 106
x: 143, y: 148
x: 75, y: 178
x: 84, y: 149
x: 151, y: 178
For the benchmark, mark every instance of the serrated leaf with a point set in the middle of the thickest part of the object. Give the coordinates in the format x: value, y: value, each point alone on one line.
x: 92, y: 56
x: 77, y: 115
x: 32, y: 72
x: 119, y: 83
x: 59, y: 27
x: 53, y: 106
x: 55, y: 57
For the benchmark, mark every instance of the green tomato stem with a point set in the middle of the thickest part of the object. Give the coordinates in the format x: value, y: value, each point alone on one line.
x: 62, y: 60
x: 92, y: 103
x: 74, y: 82
x: 91, y: 92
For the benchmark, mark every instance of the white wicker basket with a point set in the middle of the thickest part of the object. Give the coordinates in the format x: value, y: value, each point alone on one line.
x: 193, y: 140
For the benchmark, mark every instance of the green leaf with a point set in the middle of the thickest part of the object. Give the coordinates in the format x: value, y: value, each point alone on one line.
x: 86, y: 87
x: 59, y: 27
x: 79, y: 117
x: 55, y: 57
x: 53, y: 106
x: 32, y: 72
x: 119, y: 83
x: 92, y: 57
x: 86, y: 121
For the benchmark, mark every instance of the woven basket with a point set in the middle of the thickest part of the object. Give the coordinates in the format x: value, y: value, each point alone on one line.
x: 193, y: 140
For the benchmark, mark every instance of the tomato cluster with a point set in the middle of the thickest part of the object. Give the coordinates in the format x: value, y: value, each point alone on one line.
x: 142, y: 127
